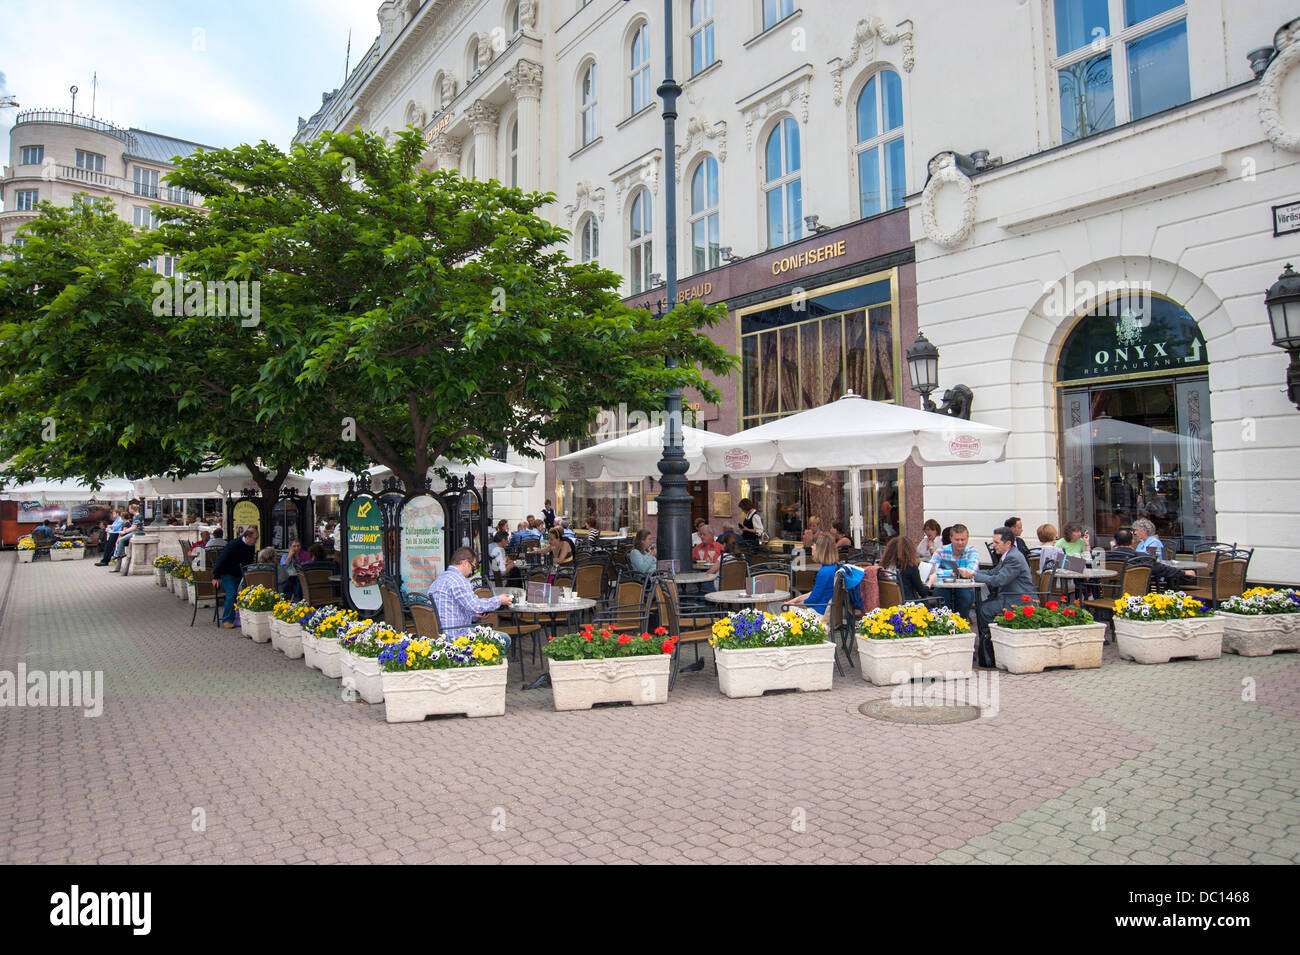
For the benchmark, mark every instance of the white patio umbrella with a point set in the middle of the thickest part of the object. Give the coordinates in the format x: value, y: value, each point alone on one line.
x: 497, y: 474
x: 636, y: 456
x: 70, y: 489
x: 329, y: 481
x: 854, y: 434
x: 213, y: 483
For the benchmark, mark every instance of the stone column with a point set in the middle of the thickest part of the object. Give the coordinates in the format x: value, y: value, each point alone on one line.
x: 447, y: 151
x: 483, y: 118
x: 526, y: 83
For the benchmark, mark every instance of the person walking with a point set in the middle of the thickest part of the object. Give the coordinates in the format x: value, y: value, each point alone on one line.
x: 230, y: 569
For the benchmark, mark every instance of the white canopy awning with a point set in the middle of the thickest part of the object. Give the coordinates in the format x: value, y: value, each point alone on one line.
x: 497, y: 474
x: 71, y: 489
x: 636, y: 456
x: 328, y: 481
x: 214, y: 483
x: 854, y: 434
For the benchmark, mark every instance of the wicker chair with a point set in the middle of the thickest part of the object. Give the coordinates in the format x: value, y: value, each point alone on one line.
x: 732, y: 573
x: 425, y: 616
x: 205, y: 588
x: 263, y: 574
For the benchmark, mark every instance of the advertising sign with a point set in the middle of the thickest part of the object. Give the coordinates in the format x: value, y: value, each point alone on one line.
x: 246, y: 512
x: 365, y: 553
x: 423, y: 542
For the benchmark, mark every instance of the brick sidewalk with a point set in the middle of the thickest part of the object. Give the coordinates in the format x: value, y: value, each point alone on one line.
x: 1128, y: 763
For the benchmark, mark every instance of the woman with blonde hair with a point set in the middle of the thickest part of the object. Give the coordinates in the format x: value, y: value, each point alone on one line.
x: 814, y: 528
x: 827, y: 554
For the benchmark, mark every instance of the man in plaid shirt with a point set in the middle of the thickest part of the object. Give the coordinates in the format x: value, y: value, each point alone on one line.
x: 454, y: 598
x: 952, y: 558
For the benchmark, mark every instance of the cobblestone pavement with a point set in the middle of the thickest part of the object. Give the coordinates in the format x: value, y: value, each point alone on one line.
x: 1146, y: 764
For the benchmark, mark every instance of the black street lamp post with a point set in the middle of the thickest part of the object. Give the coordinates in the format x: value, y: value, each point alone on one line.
x: 923, y: 366
x: 674, y: 501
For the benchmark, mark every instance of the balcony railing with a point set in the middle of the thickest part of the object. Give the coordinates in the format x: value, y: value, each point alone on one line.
x: 72, y: 119
x: 102, y: 180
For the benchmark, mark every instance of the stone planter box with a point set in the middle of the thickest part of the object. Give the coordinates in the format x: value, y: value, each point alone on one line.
x: 182, y: 590
x: 160, y: 576
x: 363, y: 675
x: 310, y: 655
x: 579, y: 684
x: 887, y: 662
x: 287, y: 638
x: 1032, y: 651
x: 753, y: 672
x: 327, y: 655
x: 1159, y: 641
x: 1258, y: 635
x: 67, y: 553
x: 257, y: 623
x: 171, y: 584
x: 474, y: 691
x: 25, y: 556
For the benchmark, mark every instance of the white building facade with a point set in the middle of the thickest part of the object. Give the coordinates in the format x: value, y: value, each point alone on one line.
x: 1035, y: 187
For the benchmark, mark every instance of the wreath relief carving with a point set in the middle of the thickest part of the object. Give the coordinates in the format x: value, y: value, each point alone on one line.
x: 944, y: 171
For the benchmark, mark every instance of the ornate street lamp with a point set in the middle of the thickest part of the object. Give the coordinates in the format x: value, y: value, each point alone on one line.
x: 923, y: 366
x: 674, y: 501
x: 1283, y: 302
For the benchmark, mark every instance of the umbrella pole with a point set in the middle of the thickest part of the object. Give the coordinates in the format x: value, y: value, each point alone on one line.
x: 855, y: 482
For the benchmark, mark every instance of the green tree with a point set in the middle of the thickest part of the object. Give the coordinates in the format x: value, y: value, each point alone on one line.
x: 432, y: 314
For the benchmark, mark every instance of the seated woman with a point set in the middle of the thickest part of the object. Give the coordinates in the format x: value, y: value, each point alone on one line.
x: 841, y: 539
x: 1074, y: 542
x: 825, y: 553
x: 814, y: 529
x: 640, y: 558
x: 558, y: 547
x: 900, y: 557
x: 1049, y: 551
x: 593, y: 530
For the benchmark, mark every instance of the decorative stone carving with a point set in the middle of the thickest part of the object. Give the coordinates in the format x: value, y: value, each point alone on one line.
x: 527, y: 15
x: 698, y: 130
x: 1270, y: 97
x: 793, y: 95
x: 587, y: 197
x: 482, y: 117
x: 485, y: 51
x: 644, y: 173
x: 448, y: 88
x: 446, y: 150
x: 415, y: 114
x: 943, y: 170
x: 864, y: 47
x: 526, y: 80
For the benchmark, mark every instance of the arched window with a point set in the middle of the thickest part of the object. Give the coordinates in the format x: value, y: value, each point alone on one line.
x: 640, y: 250
x: 514, y: 153
x: 639, y: 74
x: 473, y: 58
x: 705, y: 243
x: 881, y: 171
x: 514, y: 20
x: 588, y: 108
x: 702, y: 52
x: 782, y: 187
x: 589, y: 240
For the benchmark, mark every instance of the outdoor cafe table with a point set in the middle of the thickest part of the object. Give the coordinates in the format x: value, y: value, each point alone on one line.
x: 1187, y: 564
x: 551, y: 613
x: 694, y: 577
x: 741, y: 598
x: 1088, y: 573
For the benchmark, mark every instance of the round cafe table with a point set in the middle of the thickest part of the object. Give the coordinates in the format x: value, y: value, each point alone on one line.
x: 740, y: 598
x: 1187, y: 564
x: 1088, y: 573
x: 694, y: 577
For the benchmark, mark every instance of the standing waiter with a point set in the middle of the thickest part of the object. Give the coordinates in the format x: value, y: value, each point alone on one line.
x: 751, y: 524
x: 548, y: 516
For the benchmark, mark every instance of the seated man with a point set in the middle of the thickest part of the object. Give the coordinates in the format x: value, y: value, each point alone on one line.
x: 708, y: 550
x: 503, y: 568
x: 454, y: 597
x: 134, y: 525
x: 1010, y: 576
x: 1122, y: 548
x: 958, y: 558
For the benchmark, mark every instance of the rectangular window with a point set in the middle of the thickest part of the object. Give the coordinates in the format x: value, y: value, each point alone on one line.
x: 702, y: 51
x: 31, y: 155
x: 1117, y: 61
x: 91, y: 162
x: 774, y: 11
x: 25, y: 200
x: 146, y: 181
x: 144, y: 218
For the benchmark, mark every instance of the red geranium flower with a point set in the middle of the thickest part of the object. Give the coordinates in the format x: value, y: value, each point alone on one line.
x: 645, y: 636
x: 1010, y: 615
x: 624, y: 638
x: 1029, y: 611
x: 667, y: 646
x: 661, y: 631
x: 1068, y: 611
x: 1051, y: 605
x: 588, y: 636
x: 1026, y: 599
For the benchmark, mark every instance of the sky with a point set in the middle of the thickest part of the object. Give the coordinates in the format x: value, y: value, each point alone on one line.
x: 217, y: 73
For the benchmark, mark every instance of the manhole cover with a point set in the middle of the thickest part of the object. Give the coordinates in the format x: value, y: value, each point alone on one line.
x: 892, y: 712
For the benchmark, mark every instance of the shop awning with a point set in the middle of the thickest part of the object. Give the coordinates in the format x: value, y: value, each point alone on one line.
x: 636, y: 456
